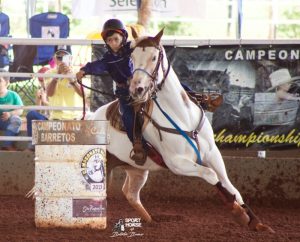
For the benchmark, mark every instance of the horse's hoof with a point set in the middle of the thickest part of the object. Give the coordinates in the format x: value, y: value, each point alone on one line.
x: 148, y: 219
x: 262, y: 227
x: 240, y: 215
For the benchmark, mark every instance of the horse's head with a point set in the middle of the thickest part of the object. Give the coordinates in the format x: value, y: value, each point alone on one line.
x: 147, y: 59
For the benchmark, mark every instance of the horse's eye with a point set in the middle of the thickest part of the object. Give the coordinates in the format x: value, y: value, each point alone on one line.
x: 154, y: 58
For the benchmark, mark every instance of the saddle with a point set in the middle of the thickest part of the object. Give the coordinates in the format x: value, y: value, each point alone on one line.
x: 113, y: 115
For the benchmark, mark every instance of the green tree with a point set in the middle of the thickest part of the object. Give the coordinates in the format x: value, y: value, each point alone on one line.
x: 174, y: 28
x: 289, y: 30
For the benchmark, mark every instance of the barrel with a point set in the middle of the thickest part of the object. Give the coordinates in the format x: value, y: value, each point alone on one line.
x: 70, y: 173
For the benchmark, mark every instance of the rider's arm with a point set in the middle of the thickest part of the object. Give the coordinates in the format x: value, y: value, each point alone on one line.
x: 95, y: 68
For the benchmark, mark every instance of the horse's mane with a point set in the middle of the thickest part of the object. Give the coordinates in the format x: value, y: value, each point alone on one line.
x: 147, y: 42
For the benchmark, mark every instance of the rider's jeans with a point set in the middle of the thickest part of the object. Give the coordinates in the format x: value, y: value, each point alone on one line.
x: 11, y: 127
x: 127, y: 112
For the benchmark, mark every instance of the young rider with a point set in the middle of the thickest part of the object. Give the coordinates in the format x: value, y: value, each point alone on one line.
x: 117, y: 62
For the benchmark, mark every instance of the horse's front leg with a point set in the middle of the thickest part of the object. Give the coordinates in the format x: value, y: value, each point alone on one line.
x: 231, y: 196
x: 183, y: 166
x: 134, y: 182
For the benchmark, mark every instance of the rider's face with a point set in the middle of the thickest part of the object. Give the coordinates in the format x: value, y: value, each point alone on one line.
x: 115, y: 41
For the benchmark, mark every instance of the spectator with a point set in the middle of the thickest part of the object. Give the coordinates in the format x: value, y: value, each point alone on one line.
x: 10, y: 120
x: 41, y: 99
x: 58, y: 92
x: 281, y: 81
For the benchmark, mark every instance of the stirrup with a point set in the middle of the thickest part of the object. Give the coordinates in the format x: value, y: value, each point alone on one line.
x: 139, y: 157
x: 138, y: 154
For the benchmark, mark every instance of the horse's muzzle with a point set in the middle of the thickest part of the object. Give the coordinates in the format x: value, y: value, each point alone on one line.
x: 140, y: 90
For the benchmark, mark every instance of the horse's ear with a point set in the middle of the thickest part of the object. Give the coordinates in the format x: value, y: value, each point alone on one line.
x: 134, y: 33
x: 158, y: 36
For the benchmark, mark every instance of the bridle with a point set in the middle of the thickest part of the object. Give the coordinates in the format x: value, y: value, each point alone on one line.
x: 153, y: 76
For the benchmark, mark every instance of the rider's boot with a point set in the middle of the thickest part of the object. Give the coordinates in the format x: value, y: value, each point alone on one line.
x: 138, y: 153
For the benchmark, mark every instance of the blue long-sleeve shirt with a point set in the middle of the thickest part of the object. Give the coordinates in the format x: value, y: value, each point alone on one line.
x: 118, y: 65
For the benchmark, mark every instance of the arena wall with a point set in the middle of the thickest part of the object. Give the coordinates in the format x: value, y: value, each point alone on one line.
x: 271, y: 179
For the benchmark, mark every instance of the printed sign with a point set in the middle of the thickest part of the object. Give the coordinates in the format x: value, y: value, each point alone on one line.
x: 87, y: 208
x: 69, y: 132
x: 50, y: 32
x: 163, y: 8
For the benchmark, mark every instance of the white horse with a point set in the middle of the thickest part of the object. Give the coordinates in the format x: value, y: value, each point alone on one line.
x: 153, y: 77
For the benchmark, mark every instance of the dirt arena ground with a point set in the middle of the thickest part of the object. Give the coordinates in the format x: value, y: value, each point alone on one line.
x: 175, y: 220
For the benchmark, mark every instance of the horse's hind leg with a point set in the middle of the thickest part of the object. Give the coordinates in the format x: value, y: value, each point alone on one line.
x: 134, y: 182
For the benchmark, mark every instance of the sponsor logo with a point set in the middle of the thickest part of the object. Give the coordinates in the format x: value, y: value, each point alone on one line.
x: 86, y: 208
x: 92, y: 169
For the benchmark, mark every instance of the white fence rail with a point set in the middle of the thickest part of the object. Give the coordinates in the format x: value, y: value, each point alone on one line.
x: 172, y: 42
x: 32, y: 75
x: 26, y: 138
x: 40, y: 41
x: 40, y: 107
x: 15, y: 138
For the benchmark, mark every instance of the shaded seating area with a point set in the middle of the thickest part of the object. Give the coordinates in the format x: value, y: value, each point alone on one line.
x: 23, y: 62
x: 27, y: 57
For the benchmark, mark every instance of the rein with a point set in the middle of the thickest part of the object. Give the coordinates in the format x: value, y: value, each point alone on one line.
x: 82, y: 86
x: 95, y: 90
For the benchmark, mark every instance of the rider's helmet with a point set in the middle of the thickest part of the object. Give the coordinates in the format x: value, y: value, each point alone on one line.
x: 114, y: 25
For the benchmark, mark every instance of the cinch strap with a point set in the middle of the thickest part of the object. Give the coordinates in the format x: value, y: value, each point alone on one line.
x: 199, y: 161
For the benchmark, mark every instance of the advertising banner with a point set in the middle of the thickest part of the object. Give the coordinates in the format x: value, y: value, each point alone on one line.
x: 260, y: 85
x: 160, y: 8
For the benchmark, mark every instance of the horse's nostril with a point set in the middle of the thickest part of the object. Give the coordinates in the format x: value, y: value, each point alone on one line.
x: 140, y: 90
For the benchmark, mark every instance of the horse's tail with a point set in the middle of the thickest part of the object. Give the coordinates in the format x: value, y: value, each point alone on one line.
x: 31, y: 193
